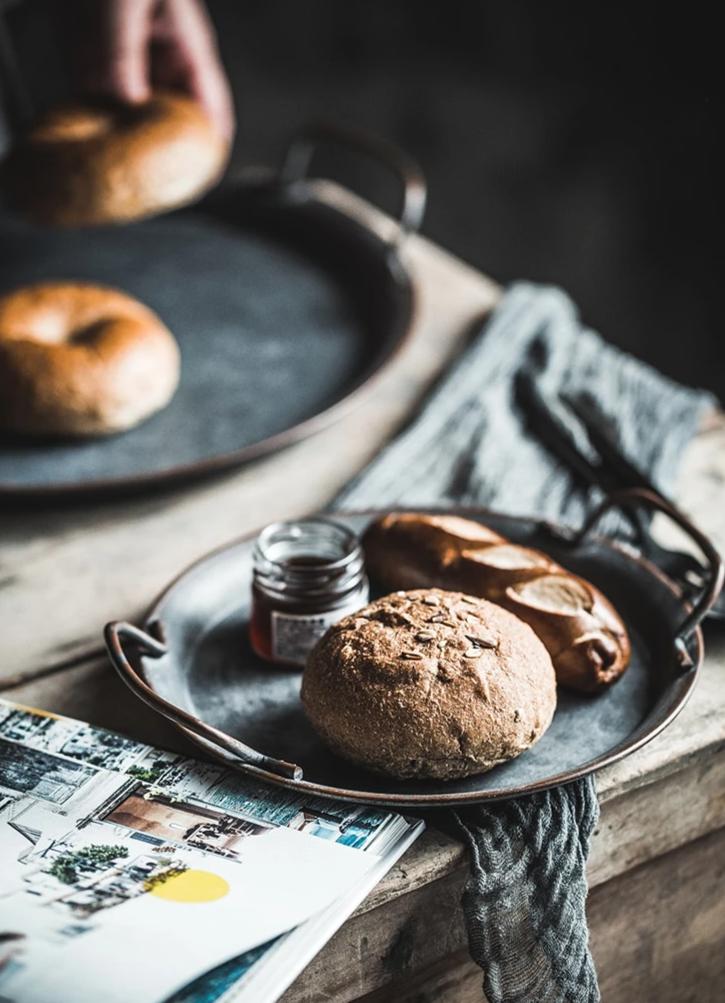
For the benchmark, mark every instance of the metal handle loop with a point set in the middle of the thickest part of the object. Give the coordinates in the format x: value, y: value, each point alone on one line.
x: 299, y: 155
x: 118, y: 631
x: 715, y: 572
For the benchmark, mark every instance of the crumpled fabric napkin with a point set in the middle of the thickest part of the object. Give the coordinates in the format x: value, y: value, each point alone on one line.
x: 524, y: 903
x: 471, y: 444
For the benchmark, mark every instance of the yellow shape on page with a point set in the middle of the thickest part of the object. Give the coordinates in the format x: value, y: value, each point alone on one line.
x: 190, y: 886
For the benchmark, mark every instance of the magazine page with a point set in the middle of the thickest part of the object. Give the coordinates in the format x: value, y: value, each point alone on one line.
x: 263, y: 974
x: 110, y: 846
x: 265, y: 983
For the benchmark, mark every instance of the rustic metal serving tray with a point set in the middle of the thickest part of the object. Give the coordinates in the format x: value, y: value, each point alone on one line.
x: 284, y: 309
x: 192, y: 662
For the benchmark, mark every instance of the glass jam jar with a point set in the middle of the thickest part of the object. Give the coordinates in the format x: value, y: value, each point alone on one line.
x: 307, y: 575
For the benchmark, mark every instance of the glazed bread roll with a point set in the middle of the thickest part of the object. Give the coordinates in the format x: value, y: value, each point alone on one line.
x: 581, y: 630
x: 429, y: 684
x: 81, y: 360
x: 105, y: 163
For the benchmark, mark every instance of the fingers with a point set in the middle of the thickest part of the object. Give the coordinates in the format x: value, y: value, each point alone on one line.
x: 123, y: 47
x: 125, y: 74
x: 109, y: 42
x: 188, y: 52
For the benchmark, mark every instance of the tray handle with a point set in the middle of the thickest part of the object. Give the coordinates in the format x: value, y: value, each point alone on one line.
x: 300, y: 151
x: 632, y: 497
x: 115, y: 634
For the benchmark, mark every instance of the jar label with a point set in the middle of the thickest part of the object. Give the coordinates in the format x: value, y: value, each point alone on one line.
x: 295, y: 634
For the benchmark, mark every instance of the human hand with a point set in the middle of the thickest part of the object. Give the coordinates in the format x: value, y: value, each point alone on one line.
x: 124, y: 48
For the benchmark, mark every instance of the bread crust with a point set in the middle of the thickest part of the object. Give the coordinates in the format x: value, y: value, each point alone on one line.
x: 580, y: 628
x: 429, y: 683
x: 81, y: 360
x: 84, y: 165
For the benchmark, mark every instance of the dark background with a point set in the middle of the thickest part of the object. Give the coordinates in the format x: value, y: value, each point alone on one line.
x: 573, y: 144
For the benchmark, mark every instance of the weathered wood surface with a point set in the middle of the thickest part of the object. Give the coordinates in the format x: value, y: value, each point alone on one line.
x: 661, y: 798
x: 669, y: 911
x: 657, y: 933
x: 64, y: 571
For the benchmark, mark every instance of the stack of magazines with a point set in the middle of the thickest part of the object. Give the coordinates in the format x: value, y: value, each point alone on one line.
x: 134, y: 873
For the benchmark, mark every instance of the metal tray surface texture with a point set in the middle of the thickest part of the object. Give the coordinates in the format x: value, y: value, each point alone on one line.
x: 282, y: 307
x: 210, y: 671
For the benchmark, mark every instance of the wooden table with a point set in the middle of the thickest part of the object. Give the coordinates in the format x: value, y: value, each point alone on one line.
x: 657, y: 907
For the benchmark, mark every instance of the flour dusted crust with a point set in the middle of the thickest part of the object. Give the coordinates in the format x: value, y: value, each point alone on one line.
x: 580, y: 628
x: 104, y: 163
x: 429, y: 684
x: 81, y: 360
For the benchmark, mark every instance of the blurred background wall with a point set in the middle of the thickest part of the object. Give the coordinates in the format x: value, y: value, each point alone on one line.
x: 577, y: 144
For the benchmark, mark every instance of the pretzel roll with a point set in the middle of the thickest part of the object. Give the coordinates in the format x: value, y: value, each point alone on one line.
x: 579, y: 627
x: 81, y: 360
x: 104, y: 163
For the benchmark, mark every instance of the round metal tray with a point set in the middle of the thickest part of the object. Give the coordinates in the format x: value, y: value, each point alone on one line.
x: 192, y: 662
x: 284, y: 309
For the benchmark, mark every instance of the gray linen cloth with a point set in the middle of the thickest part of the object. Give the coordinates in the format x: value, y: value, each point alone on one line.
x: 524, y: 903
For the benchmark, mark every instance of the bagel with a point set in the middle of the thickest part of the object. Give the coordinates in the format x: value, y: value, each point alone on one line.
x: 107, y: 163
x: 81, y: 360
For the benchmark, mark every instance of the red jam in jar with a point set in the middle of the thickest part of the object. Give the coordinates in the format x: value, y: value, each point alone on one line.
x: 307, y: 575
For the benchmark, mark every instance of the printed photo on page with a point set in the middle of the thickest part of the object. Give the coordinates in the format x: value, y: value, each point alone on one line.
x: 109, y: 846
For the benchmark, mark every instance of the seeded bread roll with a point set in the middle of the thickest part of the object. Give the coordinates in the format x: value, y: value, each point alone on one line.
x: 429, y: 684
x: 581, y: 630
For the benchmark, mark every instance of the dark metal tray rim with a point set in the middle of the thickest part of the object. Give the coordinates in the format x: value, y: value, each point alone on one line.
x: 663, y: 712
x: 365, y: 385
x: 294, y: 190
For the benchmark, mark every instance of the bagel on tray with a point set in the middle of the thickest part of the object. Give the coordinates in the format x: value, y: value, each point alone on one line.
x: 81, y: 360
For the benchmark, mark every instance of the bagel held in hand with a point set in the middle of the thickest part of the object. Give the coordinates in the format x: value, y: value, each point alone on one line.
x: 81, y: 360
x: 106, y: 163
x: 580, y: 628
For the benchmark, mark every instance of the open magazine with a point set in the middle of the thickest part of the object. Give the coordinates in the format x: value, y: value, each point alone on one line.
x: 131, y: 872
